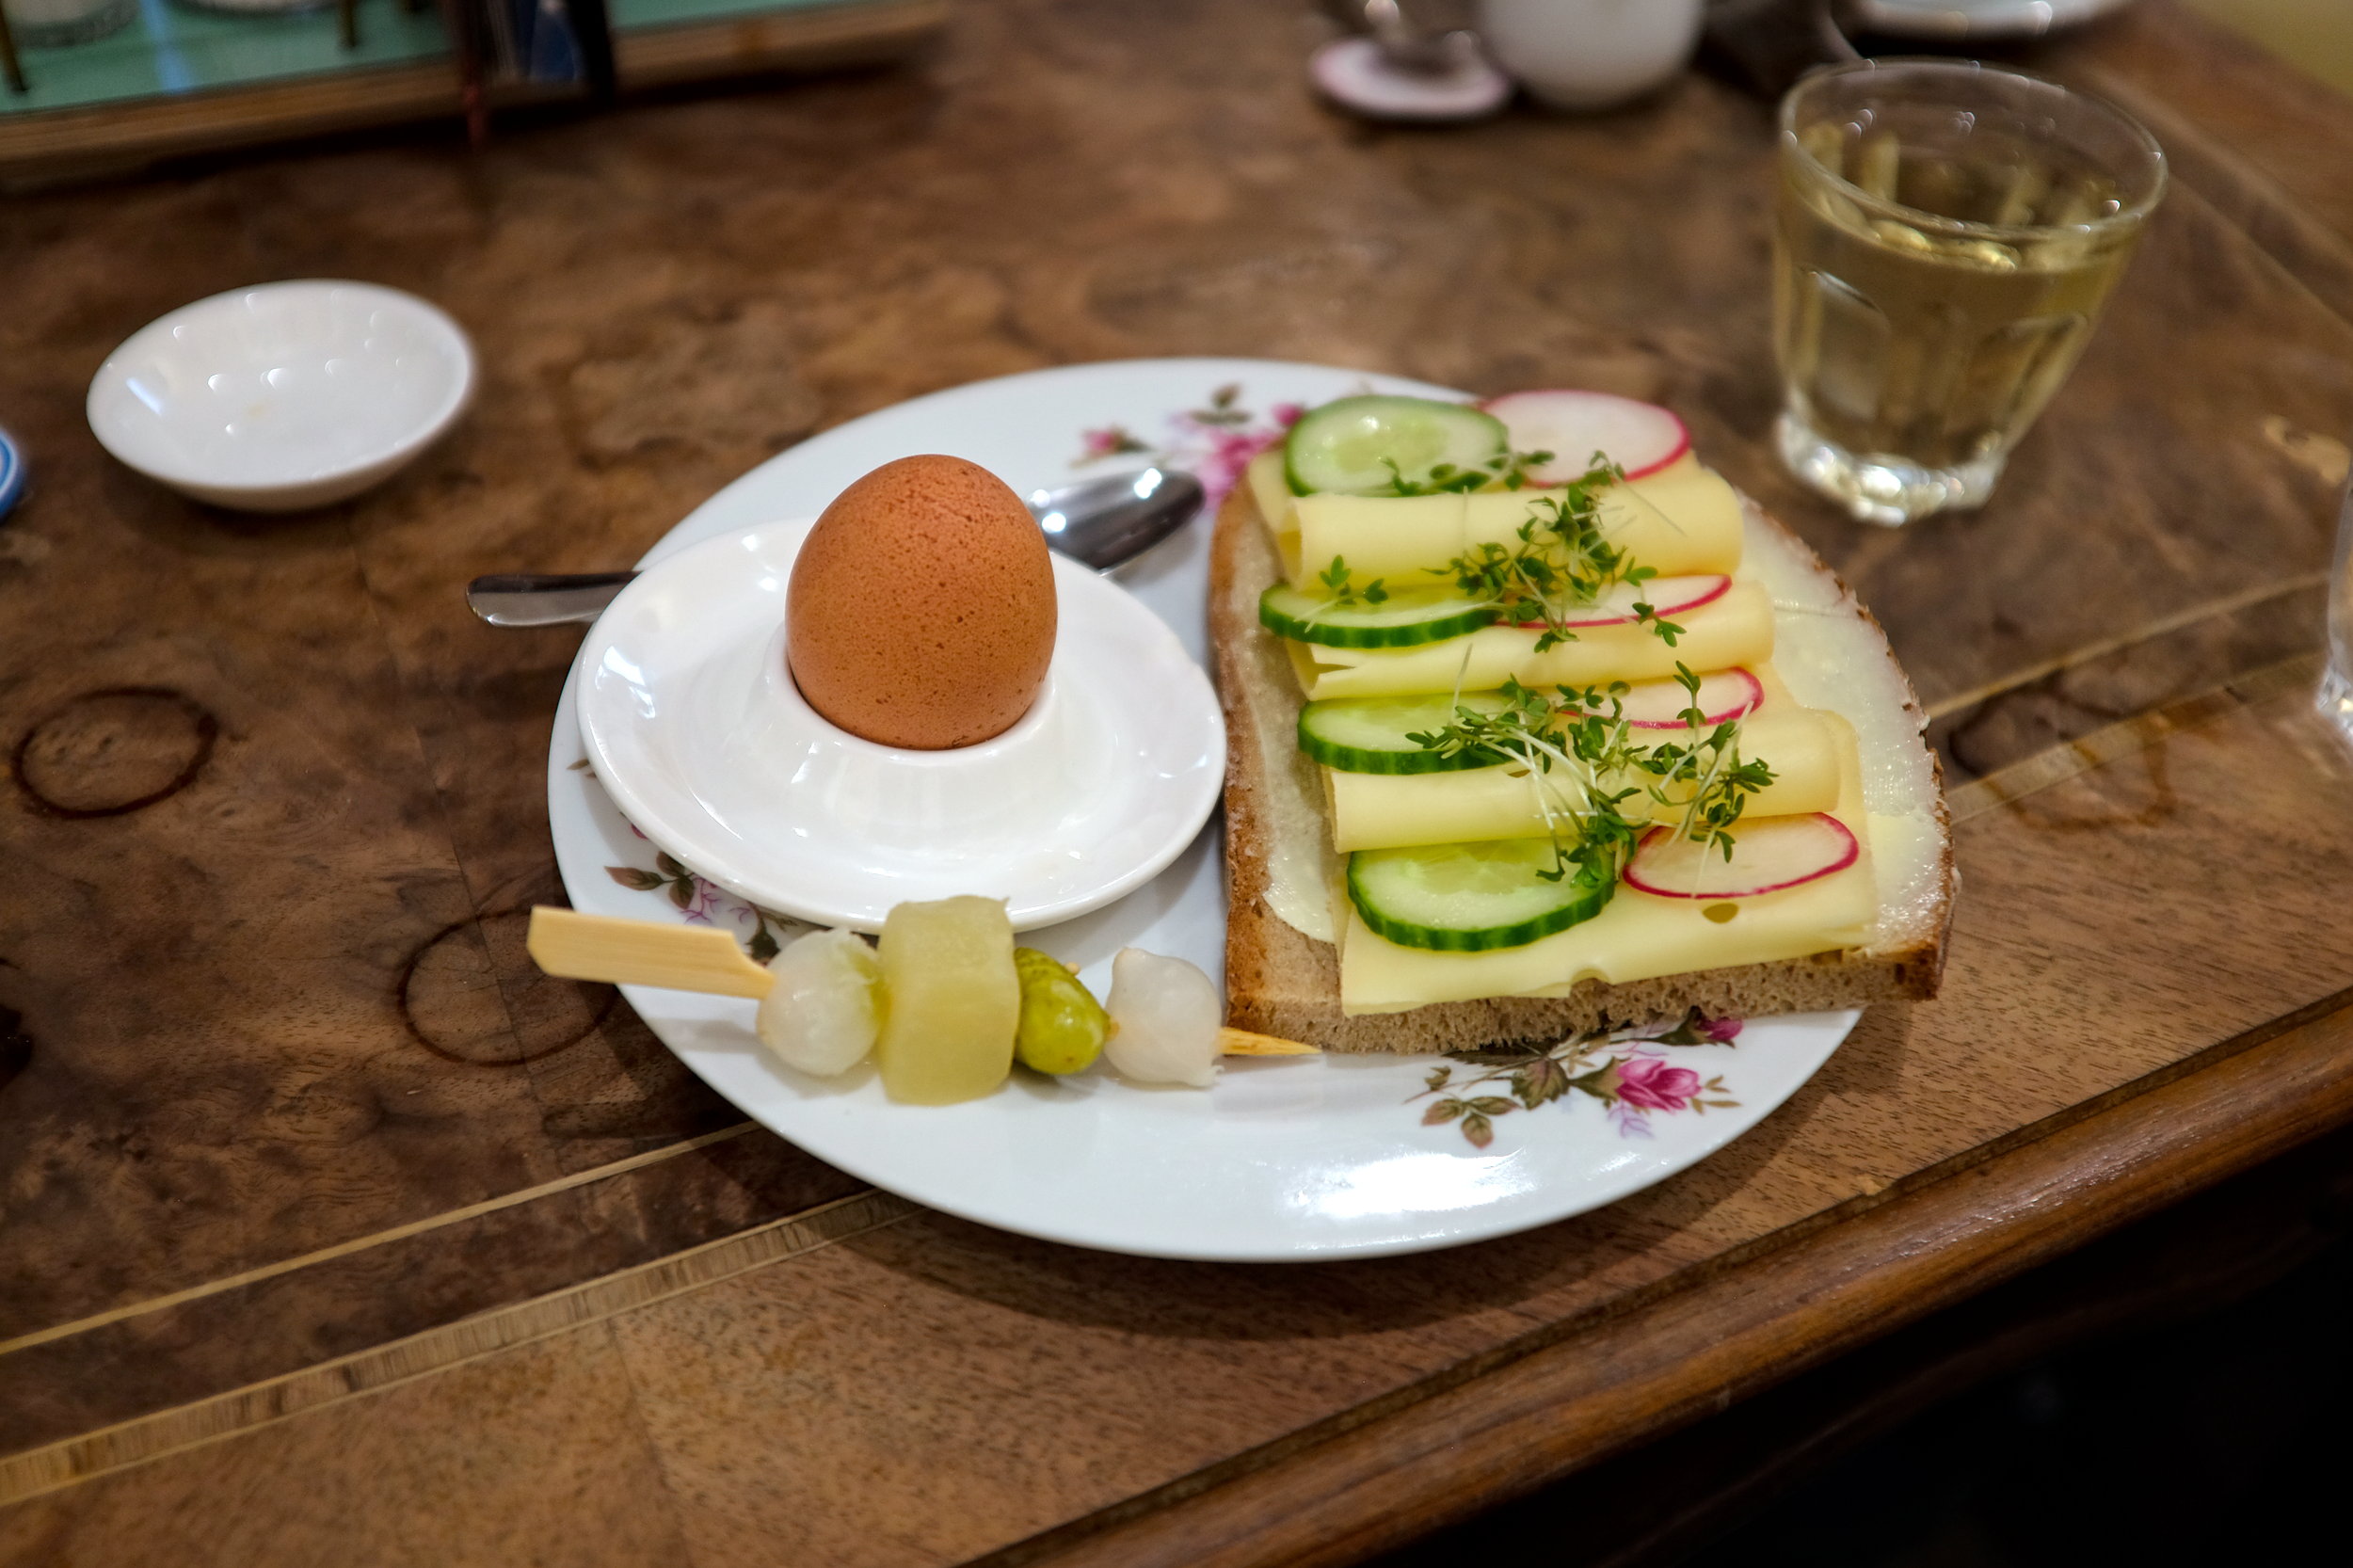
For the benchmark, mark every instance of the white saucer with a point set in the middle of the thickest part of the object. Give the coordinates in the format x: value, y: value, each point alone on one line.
x: 285, y: 397
x: 697, y: 731
x: 1353, y: 72
x: 1952, y: 21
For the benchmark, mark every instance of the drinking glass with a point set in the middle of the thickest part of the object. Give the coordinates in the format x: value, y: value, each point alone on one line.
x: 1946, y: 236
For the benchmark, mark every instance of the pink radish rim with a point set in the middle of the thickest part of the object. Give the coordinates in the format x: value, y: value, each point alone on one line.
x: 1683, y: 431
x: 1854, y: 852
x: 1682, y: 447
x: 1724, y: 586
x: 1739, y: 710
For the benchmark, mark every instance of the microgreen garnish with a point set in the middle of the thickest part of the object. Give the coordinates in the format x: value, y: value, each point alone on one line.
x: 1585, y: 766
x: 1667, y: 631
x: 1343, y: 592
x: 1562, y: 559
x: 1509, y: 470
x: 1559, y: 561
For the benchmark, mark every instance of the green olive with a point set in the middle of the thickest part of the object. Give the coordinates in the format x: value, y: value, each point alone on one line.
x: 1063, y: 1027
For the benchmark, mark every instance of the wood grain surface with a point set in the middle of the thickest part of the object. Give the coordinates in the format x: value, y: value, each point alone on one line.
x: 334, y: 1231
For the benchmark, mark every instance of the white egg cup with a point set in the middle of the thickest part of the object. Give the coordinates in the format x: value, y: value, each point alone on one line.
x: 285, y: 397
x: 696, y: 729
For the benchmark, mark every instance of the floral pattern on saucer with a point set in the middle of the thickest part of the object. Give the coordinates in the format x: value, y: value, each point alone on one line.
x: 1213, y: 443
x: 700, y: 903
x: 1631, y: 1087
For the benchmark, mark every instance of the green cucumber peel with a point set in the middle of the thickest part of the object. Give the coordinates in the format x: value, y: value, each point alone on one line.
x: 1378, y: 445
x: 1397, y: 620
x: 1382, y: 734
x: 1394, y: 894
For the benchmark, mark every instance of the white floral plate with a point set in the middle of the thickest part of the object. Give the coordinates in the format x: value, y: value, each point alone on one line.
x: 1284, y: 1160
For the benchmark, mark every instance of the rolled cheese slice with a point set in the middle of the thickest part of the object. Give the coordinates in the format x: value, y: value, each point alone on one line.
x: 1507, y: 801
x: 1683, y: 519
x: 1736, y: 629
x: 1638, y: 936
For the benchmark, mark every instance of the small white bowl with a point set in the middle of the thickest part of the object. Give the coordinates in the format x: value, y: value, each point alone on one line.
x: 283, y: 397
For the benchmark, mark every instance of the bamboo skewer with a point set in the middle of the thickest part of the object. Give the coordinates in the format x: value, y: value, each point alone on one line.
x: 572, y: 946
x: 1240, y: 1042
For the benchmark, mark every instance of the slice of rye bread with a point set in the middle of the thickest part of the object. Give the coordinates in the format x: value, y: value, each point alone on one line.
x: 1281, y: 981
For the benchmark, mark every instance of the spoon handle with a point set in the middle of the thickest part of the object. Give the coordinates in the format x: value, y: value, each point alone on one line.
x: 1103, y: 522
x: 544, y: 598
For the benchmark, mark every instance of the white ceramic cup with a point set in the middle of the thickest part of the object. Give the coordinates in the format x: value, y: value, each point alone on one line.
x: 1590, y: 54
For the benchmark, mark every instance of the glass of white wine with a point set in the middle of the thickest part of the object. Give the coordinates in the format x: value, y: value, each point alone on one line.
x: 1946, y: 236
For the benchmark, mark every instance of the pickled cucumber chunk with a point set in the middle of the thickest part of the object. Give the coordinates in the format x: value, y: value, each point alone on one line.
x: 1063, y: 1026
x: 954, y: 1002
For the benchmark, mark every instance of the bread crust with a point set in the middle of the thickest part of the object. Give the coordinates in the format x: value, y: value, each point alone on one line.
x: 1281, y: 981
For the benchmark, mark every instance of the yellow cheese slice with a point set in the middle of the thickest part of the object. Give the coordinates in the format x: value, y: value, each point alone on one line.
x: 1681, y: 521
x: 1392, y: 811
x: 1638, y: 936
x: 1737, y: 628
x: 1684, y: 519
x: 1406, y: 540
x: 1273, y: 492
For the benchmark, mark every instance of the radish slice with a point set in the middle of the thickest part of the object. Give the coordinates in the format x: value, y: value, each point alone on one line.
x: 1724, y: 696
x: 1640, y: 438
x: 1767, y: 854
x: 1668, y: 596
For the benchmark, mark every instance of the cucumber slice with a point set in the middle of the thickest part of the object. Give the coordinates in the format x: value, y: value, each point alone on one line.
x: 1401, y: 620
x: 1471, y: 898
x: 1368, y: 734
x: 1342, y: 446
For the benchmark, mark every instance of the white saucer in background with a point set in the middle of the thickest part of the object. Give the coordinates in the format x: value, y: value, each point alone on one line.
x: 1353, y: 73
x: 698, y: 732
x: 283, y: 397
x: 1955, y: 21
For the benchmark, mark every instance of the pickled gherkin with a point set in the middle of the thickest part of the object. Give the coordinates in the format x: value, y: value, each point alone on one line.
x: 954, y: 1000
x: 1063, y: 1026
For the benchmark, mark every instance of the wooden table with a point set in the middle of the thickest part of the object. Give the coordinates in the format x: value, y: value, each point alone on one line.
x: 335, y: 1233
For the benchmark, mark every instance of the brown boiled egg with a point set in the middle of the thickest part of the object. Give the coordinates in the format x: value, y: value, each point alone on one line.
x: 920, y: 611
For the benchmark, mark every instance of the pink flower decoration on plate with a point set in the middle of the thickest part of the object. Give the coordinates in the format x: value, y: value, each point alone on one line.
x: 1229, y: 454
x: 1654, y: 1085
x: 1109, y: 441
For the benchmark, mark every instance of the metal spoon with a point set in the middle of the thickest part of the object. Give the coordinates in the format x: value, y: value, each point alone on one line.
x: 1102, y: 522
